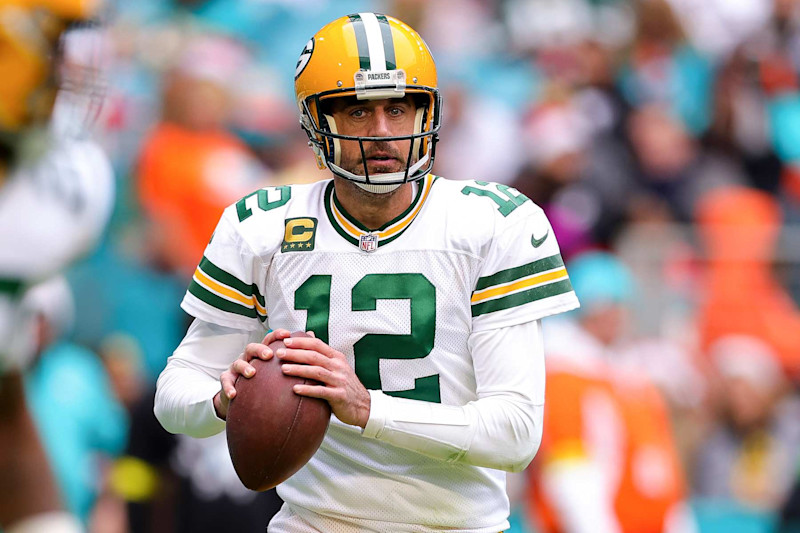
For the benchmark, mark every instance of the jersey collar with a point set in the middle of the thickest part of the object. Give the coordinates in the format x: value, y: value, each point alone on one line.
x: 352, y: 230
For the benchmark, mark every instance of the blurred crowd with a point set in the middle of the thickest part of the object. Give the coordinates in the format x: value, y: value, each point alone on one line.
x: 661, y: 137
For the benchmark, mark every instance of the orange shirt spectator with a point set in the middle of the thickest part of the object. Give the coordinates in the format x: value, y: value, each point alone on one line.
x: 186, y: 179
x: 607, y: 429
x: 740, y: 228
x: 608, y: 462
x: 191, y: 167
x: 653, y: 481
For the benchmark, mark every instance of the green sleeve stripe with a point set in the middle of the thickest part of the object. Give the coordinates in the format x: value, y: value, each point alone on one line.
x: 522, y: 298
x: 512, y: 274
x: 11, y: 286
x: 230, y: 280
x: 220, y: 303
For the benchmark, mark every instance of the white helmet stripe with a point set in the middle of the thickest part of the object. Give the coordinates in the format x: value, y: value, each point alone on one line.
x: 377, y: 55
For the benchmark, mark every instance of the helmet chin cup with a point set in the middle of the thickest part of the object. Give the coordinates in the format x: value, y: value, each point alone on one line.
x: 378, y: 189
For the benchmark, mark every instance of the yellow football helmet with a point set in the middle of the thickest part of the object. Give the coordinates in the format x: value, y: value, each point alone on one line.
x: 30, y: 31
x: 370, y: 56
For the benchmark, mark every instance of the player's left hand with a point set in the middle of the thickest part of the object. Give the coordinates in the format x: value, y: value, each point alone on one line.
x: 340, y: 387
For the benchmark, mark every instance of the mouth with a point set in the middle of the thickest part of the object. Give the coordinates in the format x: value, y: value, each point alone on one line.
x: 380, y: 156
x: 382, y: 163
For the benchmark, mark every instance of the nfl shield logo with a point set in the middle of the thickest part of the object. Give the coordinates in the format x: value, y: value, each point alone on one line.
x: 369, y: 242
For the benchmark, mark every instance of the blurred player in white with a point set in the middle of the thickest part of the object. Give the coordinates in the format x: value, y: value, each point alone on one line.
x: 56, y: 194
x: 424, y: 296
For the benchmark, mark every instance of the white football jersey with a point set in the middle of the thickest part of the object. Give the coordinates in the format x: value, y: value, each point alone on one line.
x: 51, y: 212
x: 400, y: 302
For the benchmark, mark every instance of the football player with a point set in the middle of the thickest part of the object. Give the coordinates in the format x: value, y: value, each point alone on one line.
x: 424, y: 297
x: 55, y: 197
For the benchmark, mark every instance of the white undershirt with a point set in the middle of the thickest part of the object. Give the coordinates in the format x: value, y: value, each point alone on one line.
x: 502, y: 429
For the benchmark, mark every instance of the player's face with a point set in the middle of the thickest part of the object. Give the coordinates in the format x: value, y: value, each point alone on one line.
x: 375, y: 118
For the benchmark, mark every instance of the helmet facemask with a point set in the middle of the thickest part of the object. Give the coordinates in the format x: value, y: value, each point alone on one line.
x: 326, y: 141
x: 82, y: 78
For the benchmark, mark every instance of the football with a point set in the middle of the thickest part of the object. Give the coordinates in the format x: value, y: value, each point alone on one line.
x: 272, y: 432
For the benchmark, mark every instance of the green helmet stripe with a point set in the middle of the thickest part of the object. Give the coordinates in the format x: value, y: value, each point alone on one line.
x: 361, y: 41
x: 388, y: 42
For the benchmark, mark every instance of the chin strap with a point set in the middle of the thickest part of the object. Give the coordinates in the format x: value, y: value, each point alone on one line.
x: 337, y: 144
x: 418, y: 119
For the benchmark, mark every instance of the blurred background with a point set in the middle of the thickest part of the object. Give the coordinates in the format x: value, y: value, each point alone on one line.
x: 662, y: 138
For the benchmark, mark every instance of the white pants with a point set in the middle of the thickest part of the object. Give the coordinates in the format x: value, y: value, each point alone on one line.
x: 288, y: 521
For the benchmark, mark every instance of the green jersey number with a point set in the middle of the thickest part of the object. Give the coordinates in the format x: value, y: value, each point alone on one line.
x: 513, y: 198
x: 314, y: 296
x: 264, y: 203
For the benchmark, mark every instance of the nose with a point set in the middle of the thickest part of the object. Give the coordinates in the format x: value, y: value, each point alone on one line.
x: 379, y: 125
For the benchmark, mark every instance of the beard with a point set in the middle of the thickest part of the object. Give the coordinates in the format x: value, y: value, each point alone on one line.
x: 379, y: 158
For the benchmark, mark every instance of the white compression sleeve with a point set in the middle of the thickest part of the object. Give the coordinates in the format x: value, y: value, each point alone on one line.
x: 186, y: 387
x: 502, y: 429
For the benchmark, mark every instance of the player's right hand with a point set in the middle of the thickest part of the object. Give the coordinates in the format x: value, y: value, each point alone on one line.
x: 241, y: 366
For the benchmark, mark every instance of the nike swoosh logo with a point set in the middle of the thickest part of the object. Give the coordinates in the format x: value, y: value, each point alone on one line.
x: 538, y: 242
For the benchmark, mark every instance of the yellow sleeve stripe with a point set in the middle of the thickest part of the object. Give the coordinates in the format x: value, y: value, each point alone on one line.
x: 232, y: 294
x: 527, y: 283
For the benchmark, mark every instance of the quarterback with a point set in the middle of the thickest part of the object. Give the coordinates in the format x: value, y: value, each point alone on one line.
x: 424, y: 297
x: 56, y: 194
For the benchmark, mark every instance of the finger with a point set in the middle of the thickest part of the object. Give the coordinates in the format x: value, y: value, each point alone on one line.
x: 310, y: 343
x: 316, y: 373
x: 306, y: 357
x: 312, y: 334
x: 228, y: 380
x: 276, y: 334
x: 256, y: 350
x: 314, y: 391
x: 240, y: 366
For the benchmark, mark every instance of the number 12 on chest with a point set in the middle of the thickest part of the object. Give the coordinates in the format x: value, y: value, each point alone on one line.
x: 314, y: 296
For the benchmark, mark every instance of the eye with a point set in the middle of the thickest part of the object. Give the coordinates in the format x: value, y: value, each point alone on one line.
x: 358, y: 112
x: 396, y: 111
